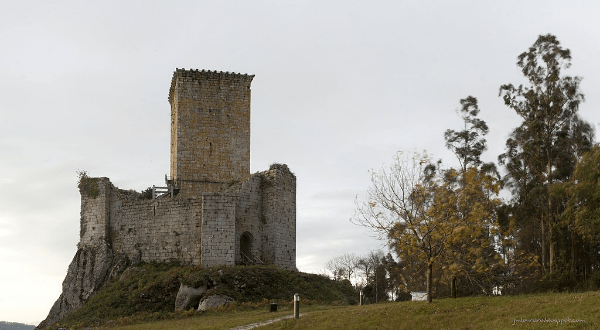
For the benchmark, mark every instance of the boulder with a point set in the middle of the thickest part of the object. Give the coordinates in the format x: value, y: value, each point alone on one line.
x: 188, y: 297
x: 214, y: 302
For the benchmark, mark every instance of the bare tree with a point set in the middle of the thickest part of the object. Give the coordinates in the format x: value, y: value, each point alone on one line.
x: 368, y: 263
x: 334, y: 267
x: 398, y: 208
x: 344, y: 266
x: 391, y: 198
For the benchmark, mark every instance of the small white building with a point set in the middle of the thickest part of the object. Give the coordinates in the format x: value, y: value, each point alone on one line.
x: 418, y: 295
x: 497, y: 291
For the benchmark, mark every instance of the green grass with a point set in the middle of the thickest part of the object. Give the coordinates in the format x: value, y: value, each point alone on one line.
x: 461, y: 313
x: 221, y: 319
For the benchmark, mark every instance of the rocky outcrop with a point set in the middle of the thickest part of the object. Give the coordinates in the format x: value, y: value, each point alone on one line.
x: 90, y: 268
x: 188, y: 297
x: 214, y: 302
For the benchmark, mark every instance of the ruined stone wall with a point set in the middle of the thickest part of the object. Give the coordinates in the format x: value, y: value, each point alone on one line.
x: 279, y: 208
x: 145, y: 230
x: 94, y: 221
x: 206, y: 230
x: 156, y: 230
x: 218, y: 229
x: 210, y: 129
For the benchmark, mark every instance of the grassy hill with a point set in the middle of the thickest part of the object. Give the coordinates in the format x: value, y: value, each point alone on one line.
x: 147, y: 292
x: 544, y: 311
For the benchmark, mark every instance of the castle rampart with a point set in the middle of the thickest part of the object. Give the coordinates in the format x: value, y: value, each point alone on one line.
x: 207, y: 230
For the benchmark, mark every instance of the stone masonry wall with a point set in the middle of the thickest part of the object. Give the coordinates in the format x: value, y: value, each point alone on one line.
x: 210, y: 129
x: 156, y: 230
x: 218, y: 230
x: 146, y: 230
x: 249, y: 217
x: 94, y: 221
x: 205, y: 230
x: 279, y: 209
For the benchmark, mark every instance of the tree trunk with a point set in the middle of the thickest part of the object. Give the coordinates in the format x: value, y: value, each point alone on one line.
x: 550, y: 232
x: 453, y: 287
x: 550, y: 212
x: 429, y: 281
x: 543, y: 241
x: 572, y: 251
x: 551, y: 247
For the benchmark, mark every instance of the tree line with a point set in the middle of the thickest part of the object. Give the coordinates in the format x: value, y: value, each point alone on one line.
x: 375, y: 274
x: 452, y: 233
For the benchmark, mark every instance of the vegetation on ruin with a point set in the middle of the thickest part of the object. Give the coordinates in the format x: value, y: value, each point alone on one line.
x: 87, y: 186
x: 147, y: 292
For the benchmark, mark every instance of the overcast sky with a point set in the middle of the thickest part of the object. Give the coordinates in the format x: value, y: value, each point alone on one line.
x: 340, y: 87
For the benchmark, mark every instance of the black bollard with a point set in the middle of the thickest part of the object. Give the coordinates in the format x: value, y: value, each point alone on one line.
x: 273, y: 307
x: 296, y: 306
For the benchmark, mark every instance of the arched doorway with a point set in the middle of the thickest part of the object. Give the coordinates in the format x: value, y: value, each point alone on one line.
x: 246, y: 241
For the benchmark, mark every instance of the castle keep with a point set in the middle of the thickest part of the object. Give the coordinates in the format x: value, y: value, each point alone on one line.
x: 210, y: 130
x: 214, y: 212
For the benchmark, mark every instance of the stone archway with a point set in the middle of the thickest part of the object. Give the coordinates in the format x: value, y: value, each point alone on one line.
x: 246, y: 240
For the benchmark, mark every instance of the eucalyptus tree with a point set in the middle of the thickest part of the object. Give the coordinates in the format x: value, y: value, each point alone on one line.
x: 469, y: 143
x: 582, y: 213
x: 473, y: 190
x: 545, y: 147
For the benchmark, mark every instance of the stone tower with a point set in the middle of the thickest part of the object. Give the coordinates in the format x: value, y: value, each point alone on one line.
x: 210, y: 130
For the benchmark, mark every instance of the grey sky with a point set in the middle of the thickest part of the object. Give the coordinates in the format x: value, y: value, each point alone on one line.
x: 340, y: 86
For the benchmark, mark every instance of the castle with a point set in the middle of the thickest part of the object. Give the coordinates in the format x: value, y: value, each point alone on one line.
x: 214, y: 211
x: 211, y: 212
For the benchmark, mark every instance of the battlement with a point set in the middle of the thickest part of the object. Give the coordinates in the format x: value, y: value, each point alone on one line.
x: 195, y: 74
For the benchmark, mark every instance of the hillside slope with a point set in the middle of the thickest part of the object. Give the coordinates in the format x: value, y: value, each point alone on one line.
x: 151, y: 289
